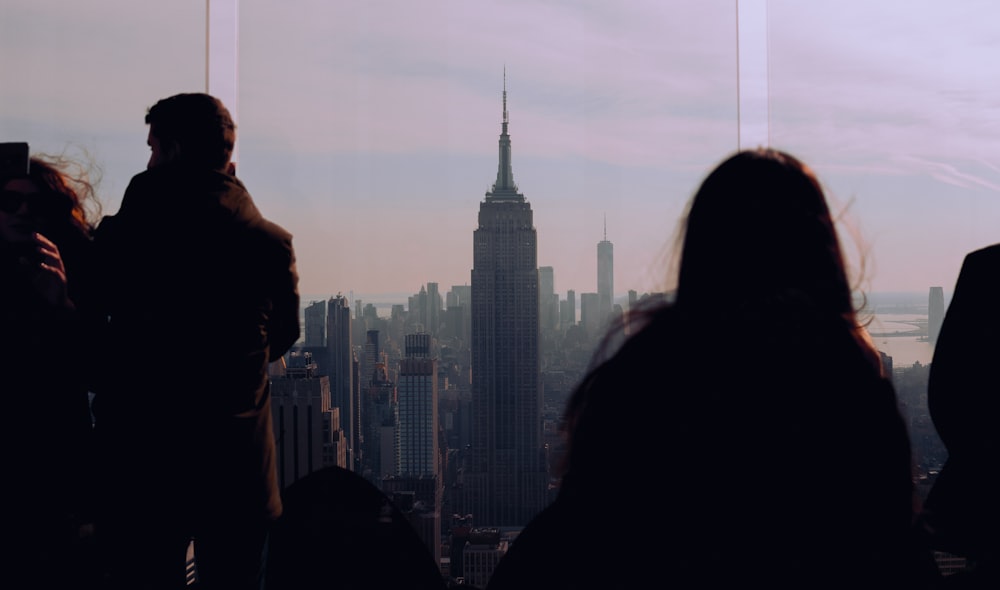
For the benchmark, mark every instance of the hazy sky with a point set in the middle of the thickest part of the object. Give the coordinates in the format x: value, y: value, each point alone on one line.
x: 369, y: 129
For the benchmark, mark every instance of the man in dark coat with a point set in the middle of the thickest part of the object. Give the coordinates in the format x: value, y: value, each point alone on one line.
x: 963, y: 507
x: 201, y: 293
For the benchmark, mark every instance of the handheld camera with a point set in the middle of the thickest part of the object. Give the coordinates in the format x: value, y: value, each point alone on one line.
x: 14, y: 160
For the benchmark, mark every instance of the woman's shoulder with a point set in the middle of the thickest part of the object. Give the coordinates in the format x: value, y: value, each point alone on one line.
x: 554, y: 550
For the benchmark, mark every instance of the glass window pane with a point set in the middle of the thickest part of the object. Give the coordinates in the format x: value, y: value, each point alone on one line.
x: 370, y: 130
x: 896, y: 110
x: 78, y: 77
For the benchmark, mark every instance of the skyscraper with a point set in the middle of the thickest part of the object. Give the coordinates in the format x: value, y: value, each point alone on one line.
x: 418, y: 468
x: 505, y: 480
x: 590, y: 314
x: 433, y: 309
x: 357, y: 427
x: 417, y: 425
x: 421, y: 309
x: 935, y: 313
x: 300, y: 402
x: 371, y: 357
x: 340, y: 366
x: 605, y: 276
x: 548, y: 301
x: 315, y: 324
x: 378, y: 451
x: 463, y: 299
x: 567, y: 312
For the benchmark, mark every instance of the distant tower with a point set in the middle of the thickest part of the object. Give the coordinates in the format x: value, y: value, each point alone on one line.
x: 567, y: 311
x: 605, y: 276
x: 935, y: 313
x: 633, y: 301
x: 433, y: 309
x: 547, y: 312
x: 340, y: 366
x: 591, y: 316
x: 505, y: 479
x: 416, y: 487
x: 315, y: 324
x: 372, y: 355
x: 379, y: 413
x: 422, y: 308
x: 417, y: 403
x: 463, y: 298
x: 357, y: 426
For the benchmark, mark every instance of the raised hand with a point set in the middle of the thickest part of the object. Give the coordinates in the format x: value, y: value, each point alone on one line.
x: 49, y: 275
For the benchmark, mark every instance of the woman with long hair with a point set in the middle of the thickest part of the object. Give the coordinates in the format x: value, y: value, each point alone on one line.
x: 44, y: 338
x: 745, y: 433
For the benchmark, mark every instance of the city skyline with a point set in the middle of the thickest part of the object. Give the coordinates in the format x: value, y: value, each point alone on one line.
x: 359, y: 131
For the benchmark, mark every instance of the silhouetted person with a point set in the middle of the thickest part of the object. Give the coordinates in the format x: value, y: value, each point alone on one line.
x: 340, y: 532
x: 745, y: 436
x: 46, y: 436
x: 201, y: 294
x: 963, y: 507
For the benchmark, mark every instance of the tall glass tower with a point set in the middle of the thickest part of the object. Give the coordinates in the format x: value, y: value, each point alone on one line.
x: 340, y: 349
x: 605, y: 276
x: 417, y: 423
x: 505, y: 480
x: 935, y: 313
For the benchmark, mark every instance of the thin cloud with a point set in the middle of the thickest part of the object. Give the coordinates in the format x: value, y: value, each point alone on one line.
x: 949, y: 173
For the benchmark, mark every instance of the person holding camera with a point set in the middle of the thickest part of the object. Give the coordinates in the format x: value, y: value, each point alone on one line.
x: 44, y: 265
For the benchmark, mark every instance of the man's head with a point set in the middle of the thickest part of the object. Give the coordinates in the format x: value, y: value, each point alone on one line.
x: 195, y: 129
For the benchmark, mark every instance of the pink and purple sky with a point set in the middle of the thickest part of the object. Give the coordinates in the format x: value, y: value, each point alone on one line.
x: 369, y: 129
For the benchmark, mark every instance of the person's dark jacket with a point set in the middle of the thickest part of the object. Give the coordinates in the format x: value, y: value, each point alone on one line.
x: 963, y: 395
x: 201, y: 294
x: 47, y: 430
x: 757, y: 447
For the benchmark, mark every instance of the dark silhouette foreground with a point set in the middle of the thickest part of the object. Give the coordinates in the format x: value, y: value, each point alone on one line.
x: 45, y: 254
x: 338, y: 531
x: 200, y: 292
x: 962, y: 511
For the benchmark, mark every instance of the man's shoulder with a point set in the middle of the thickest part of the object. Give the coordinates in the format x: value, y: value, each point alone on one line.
x: 981, y: 266
x: 989, y: 253
x: 273, y: 233
x: 172, y: 176
x: 146, y: 189
x: 139, y: 182
x: 152, y: 176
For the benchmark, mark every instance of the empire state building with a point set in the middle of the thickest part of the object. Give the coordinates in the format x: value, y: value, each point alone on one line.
x: 505, y: 481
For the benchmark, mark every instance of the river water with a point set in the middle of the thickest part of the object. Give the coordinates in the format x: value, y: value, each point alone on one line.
x: 894, y: 334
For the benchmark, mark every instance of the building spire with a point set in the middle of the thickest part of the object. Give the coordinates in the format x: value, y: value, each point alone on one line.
x: 504, y: 187
x: 506, y: 119
x: 605, y: 227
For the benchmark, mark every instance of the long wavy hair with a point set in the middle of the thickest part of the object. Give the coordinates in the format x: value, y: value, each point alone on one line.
x: 758, y: 225
x: 71, y: 203
x: 757, y: 232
